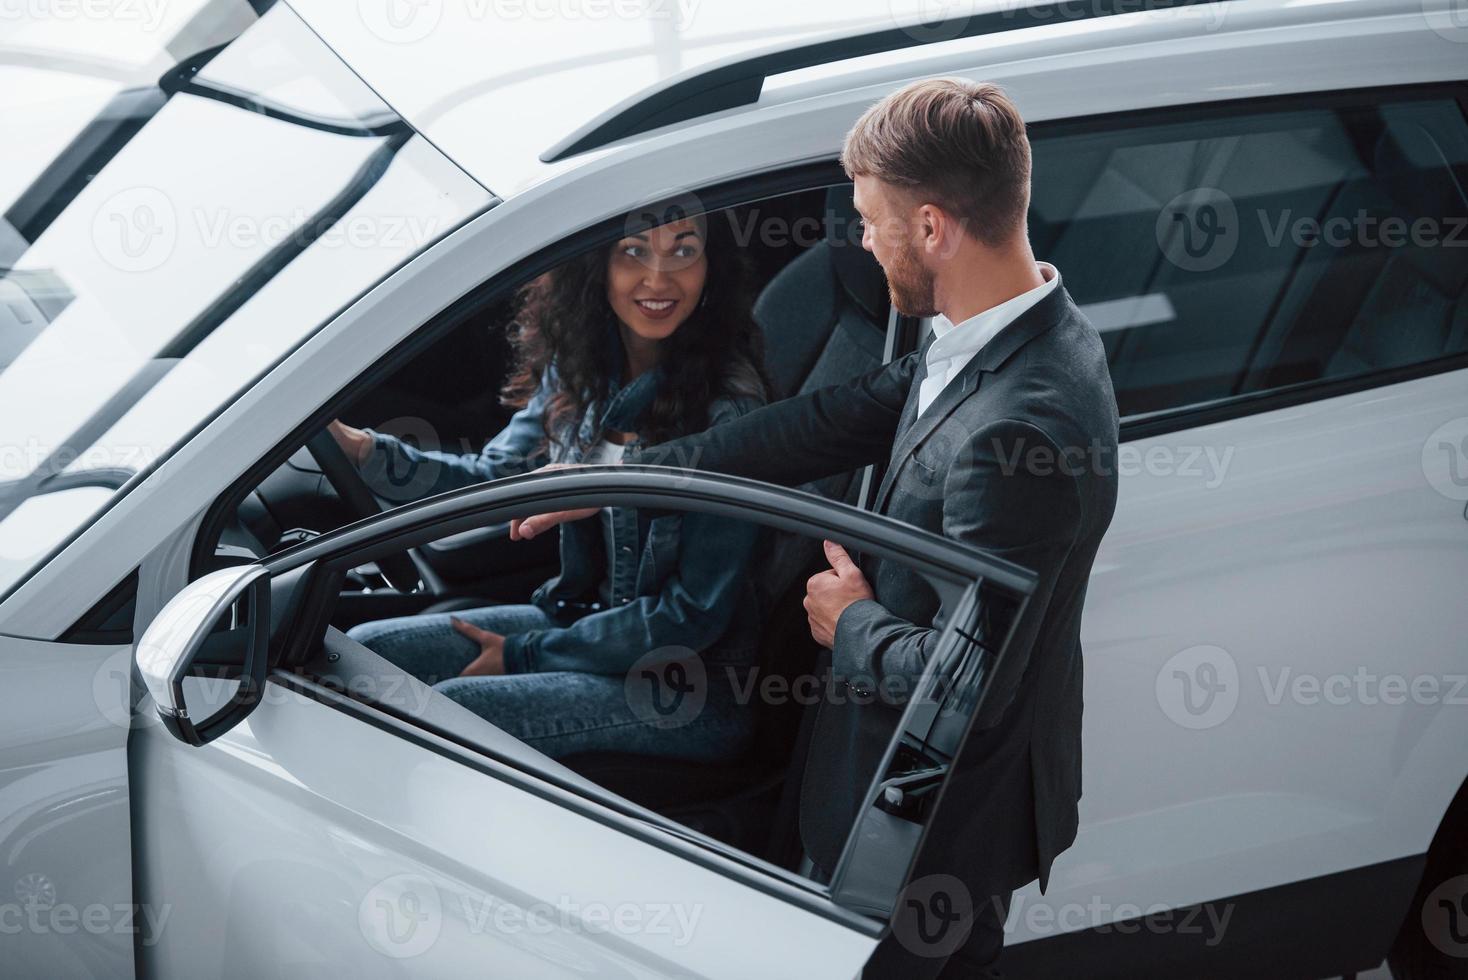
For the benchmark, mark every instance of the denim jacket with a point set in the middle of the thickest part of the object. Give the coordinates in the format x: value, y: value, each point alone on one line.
x: 673, y: 580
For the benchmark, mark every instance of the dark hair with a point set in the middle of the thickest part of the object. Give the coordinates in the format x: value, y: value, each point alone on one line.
x: 564, y: 319
x: 959, y: 143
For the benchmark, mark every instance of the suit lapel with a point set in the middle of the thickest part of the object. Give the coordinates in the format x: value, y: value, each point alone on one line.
x: 913, y: 429
x: 952, y: 395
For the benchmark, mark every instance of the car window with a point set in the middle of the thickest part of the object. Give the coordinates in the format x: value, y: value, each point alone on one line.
x: 1231, y: 255
x: 818, y: 305
x: 185, y: 216
x: 673, y: 676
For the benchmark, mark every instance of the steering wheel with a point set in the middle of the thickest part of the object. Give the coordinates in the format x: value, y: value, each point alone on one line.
x: 399, y: 569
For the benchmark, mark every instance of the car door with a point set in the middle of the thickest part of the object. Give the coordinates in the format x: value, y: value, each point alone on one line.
x: 1273, y: 625
x: 66, y: 902
x: 357, y: 822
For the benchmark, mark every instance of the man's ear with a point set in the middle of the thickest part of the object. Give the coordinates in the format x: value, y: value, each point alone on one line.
x: 947, y: 233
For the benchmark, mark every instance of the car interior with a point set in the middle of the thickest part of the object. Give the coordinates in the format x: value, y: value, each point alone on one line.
x: 823, y: 311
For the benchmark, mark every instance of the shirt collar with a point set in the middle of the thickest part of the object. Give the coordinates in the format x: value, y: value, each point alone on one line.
x: 969, y: 336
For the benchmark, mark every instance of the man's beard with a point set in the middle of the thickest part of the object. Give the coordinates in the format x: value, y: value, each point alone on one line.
x: 910, y: 285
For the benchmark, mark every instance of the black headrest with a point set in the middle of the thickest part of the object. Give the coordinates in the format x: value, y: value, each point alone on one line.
x: 856, y: 268
x: 1415, y: 172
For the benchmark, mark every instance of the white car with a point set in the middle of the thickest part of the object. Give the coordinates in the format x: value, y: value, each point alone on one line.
x: 225, y: 223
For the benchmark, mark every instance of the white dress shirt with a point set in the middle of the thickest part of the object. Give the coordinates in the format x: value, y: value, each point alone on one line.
x: 954, y: 345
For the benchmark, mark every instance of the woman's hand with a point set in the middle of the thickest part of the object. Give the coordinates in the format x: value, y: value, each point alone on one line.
x: 354, y: 442
x: 491, y: 659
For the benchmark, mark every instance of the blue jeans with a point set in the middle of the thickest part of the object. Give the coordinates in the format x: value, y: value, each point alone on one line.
x: 564, y: 712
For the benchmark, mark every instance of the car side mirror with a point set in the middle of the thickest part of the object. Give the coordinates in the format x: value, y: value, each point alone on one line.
x: 201, y: 628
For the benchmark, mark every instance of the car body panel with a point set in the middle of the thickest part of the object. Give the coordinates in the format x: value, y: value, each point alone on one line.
x: 1288, y: 563
x: 66, y: 900
x: 462, y: 76
x: 353, y: 851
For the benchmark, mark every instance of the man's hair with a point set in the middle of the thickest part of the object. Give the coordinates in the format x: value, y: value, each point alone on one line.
x: 955, y: 143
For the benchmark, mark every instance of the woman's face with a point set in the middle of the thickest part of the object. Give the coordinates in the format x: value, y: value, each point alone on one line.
x: 655, y: 277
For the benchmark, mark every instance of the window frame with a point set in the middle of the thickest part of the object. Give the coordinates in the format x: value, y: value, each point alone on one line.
x: 1183, y: 417
x: 310, y: 574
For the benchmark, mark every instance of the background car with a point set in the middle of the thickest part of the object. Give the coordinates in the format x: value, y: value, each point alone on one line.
x: 229, y: 224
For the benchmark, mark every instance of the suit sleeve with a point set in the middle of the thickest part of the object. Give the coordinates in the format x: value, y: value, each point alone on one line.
x: 1006, y: 495
x: 830, y: 430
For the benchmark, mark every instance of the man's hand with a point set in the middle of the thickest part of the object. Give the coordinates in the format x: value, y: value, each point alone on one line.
x: 827, y: 594
x: 525, y: 528
x: 491, y: 659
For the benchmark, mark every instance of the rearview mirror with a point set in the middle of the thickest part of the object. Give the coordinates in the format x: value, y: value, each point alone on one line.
x: 210, y: 623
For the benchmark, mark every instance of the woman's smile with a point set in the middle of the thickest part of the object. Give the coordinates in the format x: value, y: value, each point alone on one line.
x: 656, y: 309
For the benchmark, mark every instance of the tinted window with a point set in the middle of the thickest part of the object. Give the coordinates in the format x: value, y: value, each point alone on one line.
x: 1221, y: 257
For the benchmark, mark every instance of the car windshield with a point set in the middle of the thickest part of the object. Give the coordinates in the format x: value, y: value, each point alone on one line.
x: 186, y: 195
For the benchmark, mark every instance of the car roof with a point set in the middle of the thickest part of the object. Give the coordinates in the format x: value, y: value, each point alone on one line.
x: 502, y: 86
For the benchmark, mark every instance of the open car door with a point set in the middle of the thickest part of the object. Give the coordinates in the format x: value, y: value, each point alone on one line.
x: 303, y: 805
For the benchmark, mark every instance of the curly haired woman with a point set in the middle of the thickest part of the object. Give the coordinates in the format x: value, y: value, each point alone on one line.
x: 639, y: 343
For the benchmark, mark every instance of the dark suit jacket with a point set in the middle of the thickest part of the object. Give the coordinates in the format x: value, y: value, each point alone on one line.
x: 1017, y: 456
